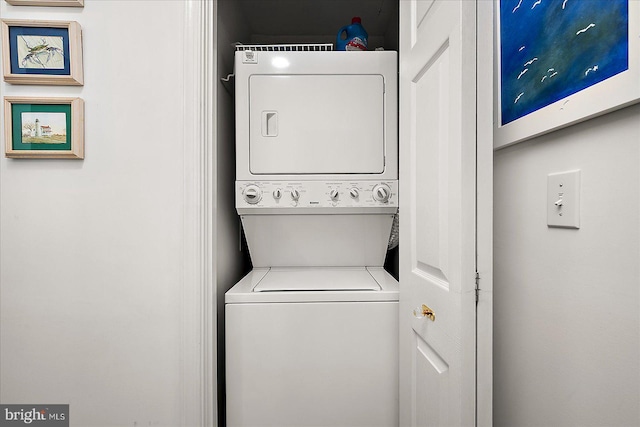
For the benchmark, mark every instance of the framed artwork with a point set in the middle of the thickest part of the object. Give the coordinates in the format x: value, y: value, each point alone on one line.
x: 44, y: 127
x: 563, y: 61
x: 42, y: 52
x: 72, y: 3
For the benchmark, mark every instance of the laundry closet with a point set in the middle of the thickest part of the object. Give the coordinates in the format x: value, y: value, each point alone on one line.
x: 311, y: 330
x: 442, y: 190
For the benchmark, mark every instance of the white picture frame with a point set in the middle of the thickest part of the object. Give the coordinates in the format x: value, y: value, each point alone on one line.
x: 618, y: 91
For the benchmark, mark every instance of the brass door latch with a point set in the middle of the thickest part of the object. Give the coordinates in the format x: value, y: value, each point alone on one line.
x: 424, y: 311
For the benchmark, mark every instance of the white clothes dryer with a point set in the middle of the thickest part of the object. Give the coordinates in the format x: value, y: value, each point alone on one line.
x: 312, y: 347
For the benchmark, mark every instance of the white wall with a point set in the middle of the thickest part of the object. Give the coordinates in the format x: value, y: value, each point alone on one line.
x: 92, y: 250
x: 567, y: 302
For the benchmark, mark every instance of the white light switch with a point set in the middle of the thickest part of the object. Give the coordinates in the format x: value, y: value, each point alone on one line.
x: 563, y: 199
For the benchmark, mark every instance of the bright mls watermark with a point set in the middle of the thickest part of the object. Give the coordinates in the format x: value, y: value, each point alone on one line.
x: 34, y: 415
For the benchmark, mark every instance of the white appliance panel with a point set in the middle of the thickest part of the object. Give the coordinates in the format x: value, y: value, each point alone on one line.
x: 316, y: 124
x: 312, y: 364
x: 317, y: 240
x: 316, y: 197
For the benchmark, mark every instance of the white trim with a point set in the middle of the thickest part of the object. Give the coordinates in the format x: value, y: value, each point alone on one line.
x: 484, y: 227
x: 198, y: 321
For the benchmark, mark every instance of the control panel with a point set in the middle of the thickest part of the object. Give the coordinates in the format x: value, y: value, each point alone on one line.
x: 314, y: 195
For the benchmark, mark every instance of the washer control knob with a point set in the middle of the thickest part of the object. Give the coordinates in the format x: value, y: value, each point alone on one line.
x: 277, y: 194
x: 381, y: 193
x: 252, y: 194
x: 334, y: 194
x: 295, y: 195
x: 354, y: 193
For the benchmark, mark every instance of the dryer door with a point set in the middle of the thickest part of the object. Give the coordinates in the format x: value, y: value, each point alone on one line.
x: 316, y: 124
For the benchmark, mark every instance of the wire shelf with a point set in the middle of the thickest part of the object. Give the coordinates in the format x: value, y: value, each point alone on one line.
x: 323, y: 47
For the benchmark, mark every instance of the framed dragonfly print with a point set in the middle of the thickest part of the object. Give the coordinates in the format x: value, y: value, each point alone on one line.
x: 42, y: 52
x: 563, y: 61
x: 44, y: 127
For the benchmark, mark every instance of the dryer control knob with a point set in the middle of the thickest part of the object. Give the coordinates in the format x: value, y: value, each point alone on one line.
x: 381, y: 193
x: 277, y: 194
x: 295, y: 195
x: 354, y: 193
x: 252, y: 194
x: 334, y: 194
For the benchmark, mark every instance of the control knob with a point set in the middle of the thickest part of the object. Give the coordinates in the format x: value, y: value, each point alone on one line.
x: 381, y: 193
x: 334, y: 194
x: 354, y: 193
x: 295, y: 195
x: 277, y: 194
x: 252, y: 194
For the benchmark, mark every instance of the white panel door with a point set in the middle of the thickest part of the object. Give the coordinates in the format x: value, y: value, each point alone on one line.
x: 438, y: 212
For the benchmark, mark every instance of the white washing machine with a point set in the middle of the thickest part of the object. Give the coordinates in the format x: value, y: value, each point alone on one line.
x: 312, y: 347
x: 312, y: 331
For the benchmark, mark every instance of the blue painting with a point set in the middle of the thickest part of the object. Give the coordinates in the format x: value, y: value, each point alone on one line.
x: 551, y: 49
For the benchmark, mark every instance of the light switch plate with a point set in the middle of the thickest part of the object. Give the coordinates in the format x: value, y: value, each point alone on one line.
x: 563, y: 199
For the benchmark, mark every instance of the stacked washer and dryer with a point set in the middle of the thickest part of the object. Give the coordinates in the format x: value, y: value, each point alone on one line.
x: 312, y: 330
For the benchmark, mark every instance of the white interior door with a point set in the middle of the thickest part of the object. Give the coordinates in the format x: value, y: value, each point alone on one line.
x: 438, y: 212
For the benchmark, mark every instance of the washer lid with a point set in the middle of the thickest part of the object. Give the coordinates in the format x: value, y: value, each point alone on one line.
x: 317, y: 279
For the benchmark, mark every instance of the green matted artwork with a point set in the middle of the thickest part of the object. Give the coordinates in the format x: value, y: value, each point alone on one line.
x: 44, y: 128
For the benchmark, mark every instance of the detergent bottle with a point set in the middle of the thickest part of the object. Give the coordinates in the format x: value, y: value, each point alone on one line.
x: 356, y: 36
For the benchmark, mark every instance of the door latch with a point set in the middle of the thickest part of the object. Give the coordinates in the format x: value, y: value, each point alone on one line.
x: 424, y: 311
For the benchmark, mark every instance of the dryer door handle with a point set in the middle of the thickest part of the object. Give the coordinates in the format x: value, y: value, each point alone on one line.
x: 269, y: 123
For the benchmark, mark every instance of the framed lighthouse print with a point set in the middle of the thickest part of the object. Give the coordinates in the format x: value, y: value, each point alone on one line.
x: 42, y: 52
x: 44, y: 127
x: 563, y: 61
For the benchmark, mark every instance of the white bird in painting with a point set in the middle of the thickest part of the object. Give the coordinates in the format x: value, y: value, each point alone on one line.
x: 584, y: 30
x: 594, y: 68
x: 518, y: 97
x: 517, y: 7
x: 522, y: 73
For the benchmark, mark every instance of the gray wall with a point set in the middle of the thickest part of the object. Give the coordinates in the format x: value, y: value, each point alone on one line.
x: 566, y: 302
